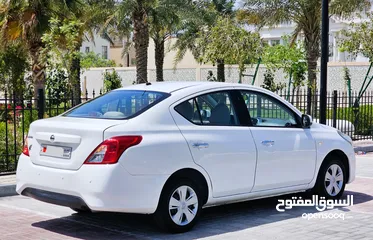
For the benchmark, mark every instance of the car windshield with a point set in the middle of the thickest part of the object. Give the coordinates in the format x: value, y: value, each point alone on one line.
x: 119, y: 104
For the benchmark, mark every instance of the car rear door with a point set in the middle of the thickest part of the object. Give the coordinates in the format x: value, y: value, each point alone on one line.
x: 218, y: 140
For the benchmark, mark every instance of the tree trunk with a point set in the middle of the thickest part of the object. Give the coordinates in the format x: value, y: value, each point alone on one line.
x: 159, y: 57
x: 312, y: 77
x: 221, y: 70
x: 38, y: 68
x: 141, y: 40
x: 75, y: 78
x: 312, y: 45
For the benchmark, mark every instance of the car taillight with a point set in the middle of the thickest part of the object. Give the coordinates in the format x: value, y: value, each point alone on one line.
x: 25, y: 148
x: 109, y: 151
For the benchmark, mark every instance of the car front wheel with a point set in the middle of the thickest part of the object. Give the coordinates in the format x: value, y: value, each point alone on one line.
x: 331, y: 181
x: 179, y: 207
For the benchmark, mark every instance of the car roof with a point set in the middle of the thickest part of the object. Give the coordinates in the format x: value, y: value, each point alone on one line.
x: 183, y: 89
x: 170, y: 87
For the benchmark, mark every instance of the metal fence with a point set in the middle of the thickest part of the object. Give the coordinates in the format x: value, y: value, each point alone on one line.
x: 350, y: 112
x: 16, y: 115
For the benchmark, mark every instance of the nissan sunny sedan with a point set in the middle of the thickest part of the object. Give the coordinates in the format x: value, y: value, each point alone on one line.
x: 170, y: 149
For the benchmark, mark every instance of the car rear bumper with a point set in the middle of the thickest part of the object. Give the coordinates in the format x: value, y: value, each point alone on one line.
x: 100, y: 188
x: 55, y: 198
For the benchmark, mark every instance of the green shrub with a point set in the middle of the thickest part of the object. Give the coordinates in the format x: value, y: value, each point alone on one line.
x: 270, y: 84
x: 57, y: 86
x: 8, y: 158
x: 363, y: 122
x: 112, y: 80
x: 28, y: 117
x: 92, y: 60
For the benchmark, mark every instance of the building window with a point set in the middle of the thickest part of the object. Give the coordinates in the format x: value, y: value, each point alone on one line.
x: 275, y: 42
x: 86, y: 49
x: 331, y: 50
x: 331, y: 45
x: 104, y: 52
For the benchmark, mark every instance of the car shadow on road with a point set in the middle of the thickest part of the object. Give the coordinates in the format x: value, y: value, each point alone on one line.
x: 214, y: 221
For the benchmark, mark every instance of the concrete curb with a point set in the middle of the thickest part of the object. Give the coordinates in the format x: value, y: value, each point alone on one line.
x: 8, y: 190
x: 367, y: 148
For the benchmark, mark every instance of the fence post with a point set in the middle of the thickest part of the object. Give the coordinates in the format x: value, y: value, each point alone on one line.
x: 41, y: 103
x: 6, y: 132
x: 335, y: 106
x: 72, y: 99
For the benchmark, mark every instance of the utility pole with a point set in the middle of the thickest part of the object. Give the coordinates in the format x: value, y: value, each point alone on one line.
x: 324, y: 60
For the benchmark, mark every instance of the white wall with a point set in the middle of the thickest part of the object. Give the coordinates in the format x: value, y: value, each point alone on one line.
x: 94, y: 78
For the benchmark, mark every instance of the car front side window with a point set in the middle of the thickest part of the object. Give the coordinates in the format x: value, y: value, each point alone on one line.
x: 266, y: 111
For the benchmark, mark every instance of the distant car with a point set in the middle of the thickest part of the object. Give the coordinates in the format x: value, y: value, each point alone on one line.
x: 169, y: 149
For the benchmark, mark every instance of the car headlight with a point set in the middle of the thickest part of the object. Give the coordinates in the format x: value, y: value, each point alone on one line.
x: 345, y: 137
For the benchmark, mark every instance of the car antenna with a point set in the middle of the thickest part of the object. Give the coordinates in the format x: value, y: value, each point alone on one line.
x: 146, y: 81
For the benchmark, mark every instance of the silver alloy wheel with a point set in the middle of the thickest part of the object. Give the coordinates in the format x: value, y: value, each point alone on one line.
x: 183, y: 205
x: 334, y: 180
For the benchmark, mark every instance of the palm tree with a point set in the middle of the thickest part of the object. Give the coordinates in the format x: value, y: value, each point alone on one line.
x: 135, y: 13
x: 28, y: 21
x: 165, y: 20
x: 204, y: 19
x: 306, y: 14
x: 88, y: 16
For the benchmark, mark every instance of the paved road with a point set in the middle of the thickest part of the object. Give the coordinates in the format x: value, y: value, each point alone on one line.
x: 24, y: 218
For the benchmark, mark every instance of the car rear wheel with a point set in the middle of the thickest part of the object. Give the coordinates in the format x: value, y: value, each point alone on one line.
x: 179, y: 207
x: 331, y: 181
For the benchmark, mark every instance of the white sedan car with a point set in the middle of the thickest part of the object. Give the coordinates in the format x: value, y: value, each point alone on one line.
x: 170, y: 149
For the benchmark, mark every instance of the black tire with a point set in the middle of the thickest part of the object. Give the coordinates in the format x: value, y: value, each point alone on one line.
x: 81, y: 211
x: 162, y: 215
x: 321, y: 185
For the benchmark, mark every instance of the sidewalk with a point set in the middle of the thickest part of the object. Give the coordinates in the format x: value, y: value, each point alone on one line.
x: 363, y: 146
x: 8, y: 185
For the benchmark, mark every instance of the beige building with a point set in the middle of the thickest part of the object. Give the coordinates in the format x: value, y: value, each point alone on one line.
x: 129, y: 59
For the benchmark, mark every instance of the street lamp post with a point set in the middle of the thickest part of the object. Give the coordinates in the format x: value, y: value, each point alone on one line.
x: 324, y: 60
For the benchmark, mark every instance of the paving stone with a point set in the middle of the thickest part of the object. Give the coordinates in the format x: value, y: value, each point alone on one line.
x: 254, y: 220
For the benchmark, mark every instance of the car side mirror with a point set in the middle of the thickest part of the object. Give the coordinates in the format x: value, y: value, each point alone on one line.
x: 306, y: 121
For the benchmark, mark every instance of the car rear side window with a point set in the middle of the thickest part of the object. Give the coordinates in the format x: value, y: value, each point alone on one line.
x: 119, y: 104
x: 213, y: 109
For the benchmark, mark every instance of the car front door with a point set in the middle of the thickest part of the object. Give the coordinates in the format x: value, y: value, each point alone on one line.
x: 286, y: 151
x: 219, y: 142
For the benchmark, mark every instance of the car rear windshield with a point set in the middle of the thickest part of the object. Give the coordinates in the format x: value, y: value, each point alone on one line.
x: 118, y: 104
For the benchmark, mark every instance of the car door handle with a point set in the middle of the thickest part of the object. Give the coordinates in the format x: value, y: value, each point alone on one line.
x: 268, y: 143
x: 200, y: 145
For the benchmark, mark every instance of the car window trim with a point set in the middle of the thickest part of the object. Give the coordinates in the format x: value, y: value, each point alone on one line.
x: 198, y: 110
x: 240, y: 109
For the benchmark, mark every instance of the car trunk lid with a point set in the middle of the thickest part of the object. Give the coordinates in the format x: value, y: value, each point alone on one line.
x: 64, y: 142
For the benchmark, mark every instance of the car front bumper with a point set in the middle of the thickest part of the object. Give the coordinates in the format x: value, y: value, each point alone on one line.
x: 108, y: 188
